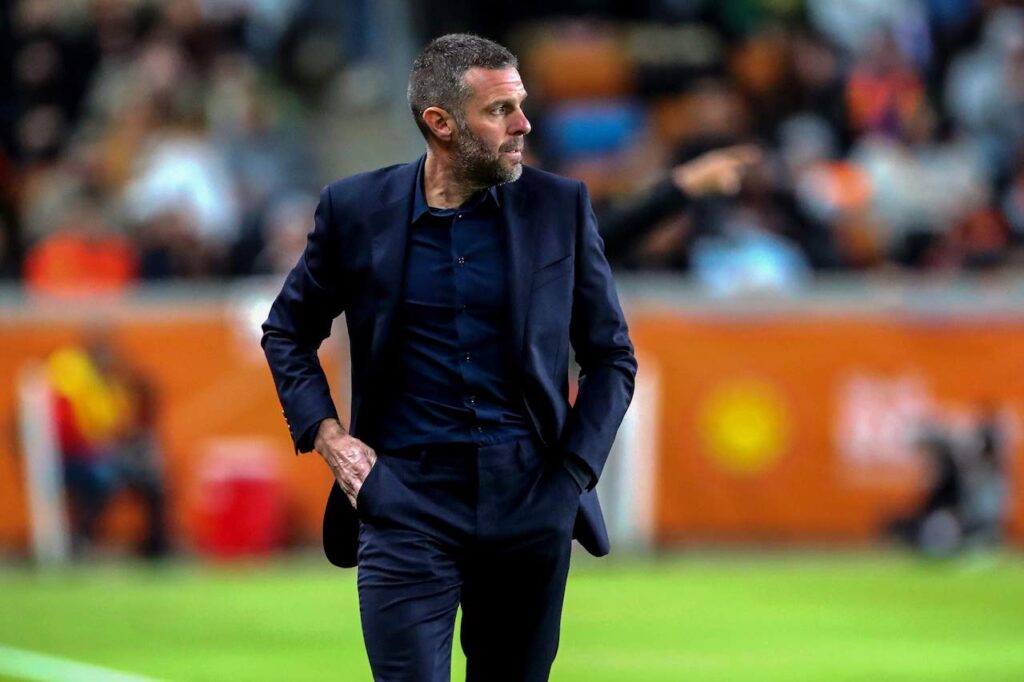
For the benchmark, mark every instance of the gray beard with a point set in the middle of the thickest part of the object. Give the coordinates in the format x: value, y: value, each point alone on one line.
x: 477, y: 167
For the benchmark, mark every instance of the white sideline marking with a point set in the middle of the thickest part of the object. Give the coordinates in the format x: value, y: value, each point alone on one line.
x: 29, y: 665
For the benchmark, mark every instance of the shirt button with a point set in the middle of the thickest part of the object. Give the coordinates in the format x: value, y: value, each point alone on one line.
x: 462, y: 308
x: 461, y: 260
x: 467, y: 357
x: 472, y: 400
x: 459, y: 216
x: 479, y: 429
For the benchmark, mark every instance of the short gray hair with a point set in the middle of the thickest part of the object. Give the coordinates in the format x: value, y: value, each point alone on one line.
x: 437, y: 78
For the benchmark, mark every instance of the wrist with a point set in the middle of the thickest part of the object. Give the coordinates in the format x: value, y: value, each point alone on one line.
x: 329, y: 429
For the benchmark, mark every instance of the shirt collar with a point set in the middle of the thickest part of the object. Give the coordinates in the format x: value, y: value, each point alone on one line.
x: 420, y: 207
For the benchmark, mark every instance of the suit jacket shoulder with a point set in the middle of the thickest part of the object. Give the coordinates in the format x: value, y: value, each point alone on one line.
x: 362, y: 190
x: 553, y: 200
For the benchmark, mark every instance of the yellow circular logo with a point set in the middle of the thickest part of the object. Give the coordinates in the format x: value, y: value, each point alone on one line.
x: 743, y: 425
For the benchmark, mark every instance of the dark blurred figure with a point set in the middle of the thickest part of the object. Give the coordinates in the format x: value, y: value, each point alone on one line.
x: 757, y: 240
x: 934, y: 525
x: 105, y: 412
x: 987, y: 490
x: 965, y: 502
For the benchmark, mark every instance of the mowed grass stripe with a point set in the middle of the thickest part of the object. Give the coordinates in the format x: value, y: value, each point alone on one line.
x: 29, y: 665
x: 741, y: 617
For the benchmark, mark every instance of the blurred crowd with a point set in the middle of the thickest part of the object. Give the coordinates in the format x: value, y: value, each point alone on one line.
x: 145, y: 140
x: 893, y: 132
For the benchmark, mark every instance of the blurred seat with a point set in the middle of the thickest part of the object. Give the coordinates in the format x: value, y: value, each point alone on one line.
x: 591, y: 128
x: 568, y: 63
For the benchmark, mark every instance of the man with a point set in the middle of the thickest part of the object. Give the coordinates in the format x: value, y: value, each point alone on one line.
x: 104, y: 412
x: 465, y: 471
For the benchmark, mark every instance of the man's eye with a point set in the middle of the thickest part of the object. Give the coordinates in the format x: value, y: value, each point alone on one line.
x: 500, y: 109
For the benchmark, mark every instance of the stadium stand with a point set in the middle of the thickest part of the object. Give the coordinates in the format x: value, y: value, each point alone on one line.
x: 894, y: 131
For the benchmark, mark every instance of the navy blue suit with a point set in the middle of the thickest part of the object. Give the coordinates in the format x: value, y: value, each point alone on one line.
x: 561, y: 292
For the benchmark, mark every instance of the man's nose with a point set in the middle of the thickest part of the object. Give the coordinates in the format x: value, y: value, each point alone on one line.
x: 520, y: 125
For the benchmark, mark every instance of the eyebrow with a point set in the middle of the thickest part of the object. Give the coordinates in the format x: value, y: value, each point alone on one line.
x: 505, y: 101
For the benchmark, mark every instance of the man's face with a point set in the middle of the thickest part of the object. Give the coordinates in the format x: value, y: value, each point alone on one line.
x: 489, y: 146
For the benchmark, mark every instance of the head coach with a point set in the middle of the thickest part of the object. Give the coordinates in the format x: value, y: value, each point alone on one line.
x: 465, y: 472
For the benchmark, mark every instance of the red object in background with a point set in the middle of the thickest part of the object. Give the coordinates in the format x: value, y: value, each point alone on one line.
x: 240, y: 508
x: 70, y: 263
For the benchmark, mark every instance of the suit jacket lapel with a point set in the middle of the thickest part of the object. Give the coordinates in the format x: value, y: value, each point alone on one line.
x: 521, y: 250
x: 390, y: 224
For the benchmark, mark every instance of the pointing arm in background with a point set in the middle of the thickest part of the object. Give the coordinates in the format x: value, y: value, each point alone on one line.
x: 716, y: 172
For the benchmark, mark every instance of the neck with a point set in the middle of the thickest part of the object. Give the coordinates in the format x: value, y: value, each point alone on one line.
x: 441, y: 187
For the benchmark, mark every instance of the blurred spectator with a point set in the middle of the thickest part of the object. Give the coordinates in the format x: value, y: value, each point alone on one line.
x: 966, y: 498
x: 817, y: 88
x: 853, y: 24
x: 986, y: 504
x: 50, y: 62
x: 747, y: 256
x: 883, y: 93
x: 170, y: 247
x: 1013, y: 200
x: 921, y: 184
x: 188, y: 179
x: 8, y: 246
x: 285, y: 234
x: 980, y: 241
x: 105, y: 424
x: 760, y: 243
x: 81, y: 256
x: 985, y: 89
x: 934, y: 526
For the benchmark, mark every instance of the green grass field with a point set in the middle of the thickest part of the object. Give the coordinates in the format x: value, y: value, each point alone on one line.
x: 708, y: 618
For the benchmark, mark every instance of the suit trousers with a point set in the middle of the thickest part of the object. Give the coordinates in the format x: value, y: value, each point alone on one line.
x: 488, y: 528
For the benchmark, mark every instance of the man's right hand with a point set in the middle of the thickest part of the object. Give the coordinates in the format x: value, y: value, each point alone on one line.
x: 349, y: 458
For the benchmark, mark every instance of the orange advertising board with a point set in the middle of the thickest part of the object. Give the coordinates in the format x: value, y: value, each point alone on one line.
x: 789, y: 427
x: 804, y: 427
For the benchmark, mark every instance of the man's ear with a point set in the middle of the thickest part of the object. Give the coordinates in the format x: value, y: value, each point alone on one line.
x: 440, y: 123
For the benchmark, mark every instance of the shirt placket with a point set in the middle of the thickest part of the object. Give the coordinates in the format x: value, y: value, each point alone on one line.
x: 466, y: 361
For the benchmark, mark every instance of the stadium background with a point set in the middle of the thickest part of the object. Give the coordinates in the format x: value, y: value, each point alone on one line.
x: 159, y: 162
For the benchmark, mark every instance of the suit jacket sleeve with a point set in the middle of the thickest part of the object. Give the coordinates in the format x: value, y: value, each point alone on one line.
x: 300, y: 319
x: 599, y: 336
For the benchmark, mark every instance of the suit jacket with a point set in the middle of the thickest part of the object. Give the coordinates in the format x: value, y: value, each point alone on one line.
x: 561, y: 292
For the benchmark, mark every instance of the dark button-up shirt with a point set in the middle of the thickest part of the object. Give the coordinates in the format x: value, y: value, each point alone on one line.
x: 456, y: 376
